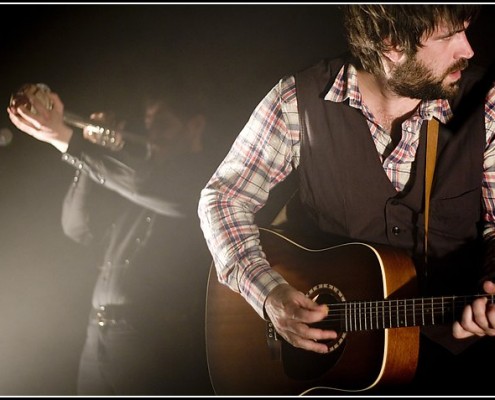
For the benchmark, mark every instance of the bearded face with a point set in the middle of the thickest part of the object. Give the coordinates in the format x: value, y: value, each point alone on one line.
x: 415, y: 80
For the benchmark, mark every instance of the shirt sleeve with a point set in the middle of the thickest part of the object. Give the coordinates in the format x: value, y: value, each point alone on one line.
x: 488, y: 183
x: 263, y: 154
x: 129, y: 174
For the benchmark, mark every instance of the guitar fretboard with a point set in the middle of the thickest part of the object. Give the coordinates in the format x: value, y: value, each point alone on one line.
x: 382, y: 314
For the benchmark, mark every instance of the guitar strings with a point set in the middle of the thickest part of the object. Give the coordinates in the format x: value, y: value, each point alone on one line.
x: 398, y: 313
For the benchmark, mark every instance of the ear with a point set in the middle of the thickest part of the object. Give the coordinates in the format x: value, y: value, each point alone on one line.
x: 394, y: 53
x: 394, y: 56
x: 195, y: 128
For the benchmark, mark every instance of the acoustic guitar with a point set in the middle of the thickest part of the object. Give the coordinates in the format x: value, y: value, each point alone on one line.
x: 371, y: 293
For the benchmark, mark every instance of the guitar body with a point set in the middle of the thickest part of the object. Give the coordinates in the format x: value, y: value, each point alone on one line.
x: 245, y: 359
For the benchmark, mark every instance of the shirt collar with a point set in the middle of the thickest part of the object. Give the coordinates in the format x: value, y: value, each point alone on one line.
x: 345, y: 87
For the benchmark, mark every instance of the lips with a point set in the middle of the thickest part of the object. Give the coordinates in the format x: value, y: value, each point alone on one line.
x: 456, y: 74
x: 458, y: 67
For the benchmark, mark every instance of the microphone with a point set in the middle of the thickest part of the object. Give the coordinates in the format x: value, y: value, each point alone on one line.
x: 5, y: 137
x: 96, y: 133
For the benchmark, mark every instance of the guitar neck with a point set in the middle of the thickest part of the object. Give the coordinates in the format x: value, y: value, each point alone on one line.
x: 382, y: 314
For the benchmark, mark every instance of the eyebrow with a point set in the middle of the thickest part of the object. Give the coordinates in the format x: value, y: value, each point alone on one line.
x: 451, y: 31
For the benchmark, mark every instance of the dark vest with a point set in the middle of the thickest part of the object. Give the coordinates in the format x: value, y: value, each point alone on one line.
x: 345, y: 191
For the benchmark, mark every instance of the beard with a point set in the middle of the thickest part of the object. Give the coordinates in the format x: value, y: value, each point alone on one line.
x: 414, y: 80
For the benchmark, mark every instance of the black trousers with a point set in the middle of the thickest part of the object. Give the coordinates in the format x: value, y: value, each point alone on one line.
x: 124, y: 359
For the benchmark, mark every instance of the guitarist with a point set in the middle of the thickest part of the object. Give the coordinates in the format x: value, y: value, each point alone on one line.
x: 353, y: 132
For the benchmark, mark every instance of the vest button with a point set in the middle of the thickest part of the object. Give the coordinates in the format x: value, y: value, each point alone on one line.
x: 396, y: 230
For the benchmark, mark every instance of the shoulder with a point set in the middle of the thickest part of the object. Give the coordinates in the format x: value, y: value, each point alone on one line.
x: 325, y: 67
x: 286, y: 89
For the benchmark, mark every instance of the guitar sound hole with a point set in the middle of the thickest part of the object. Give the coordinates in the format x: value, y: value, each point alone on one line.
x: 329, y: 323
x: 302, y: 364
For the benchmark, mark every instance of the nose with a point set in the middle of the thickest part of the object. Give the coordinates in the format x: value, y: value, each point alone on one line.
x: 464, y: 47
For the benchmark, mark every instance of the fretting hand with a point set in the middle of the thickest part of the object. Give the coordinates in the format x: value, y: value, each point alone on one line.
x: 477, y: 318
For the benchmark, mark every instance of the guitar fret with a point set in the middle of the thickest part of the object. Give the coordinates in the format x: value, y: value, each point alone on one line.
x: 443, y: 311
x: 414, y: 311
x: 365, y: 325
x: 383, y: 314
x: 359, y: 307
x: 370, y: 315
x: 432, y: 311
x: 350, y: 316
x: 345, y: 318
x: 391, y: 313
x: 365, y: 316
x: 422, y: 311
x: 453, y: 309
x: 377, y: 320
x: 355, y: 320
x: 397, y: 313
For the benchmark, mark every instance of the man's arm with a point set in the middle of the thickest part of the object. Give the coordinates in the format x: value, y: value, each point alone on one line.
x: 261, y: 157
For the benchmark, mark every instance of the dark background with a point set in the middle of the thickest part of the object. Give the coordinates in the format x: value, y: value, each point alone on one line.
x: 103, y: 57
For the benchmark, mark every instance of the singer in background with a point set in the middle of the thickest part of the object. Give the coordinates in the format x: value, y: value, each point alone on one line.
x: 134, y: 202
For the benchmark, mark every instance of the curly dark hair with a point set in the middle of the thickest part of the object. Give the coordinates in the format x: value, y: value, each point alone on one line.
x: 368, y: 25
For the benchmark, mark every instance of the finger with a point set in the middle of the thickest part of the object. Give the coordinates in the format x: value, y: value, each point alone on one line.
x: 459, y: 332
x: 312, y: 345
x: 308, y: 332
x: 305, y: 303
x: 490, y: 312
x: 98, y: 117
x: 306, y: 344
x: 310, y: 316
x: 57, y: 103
x: 12, y: 112
x: 467, y: 322
x: 42, y: 108
x: 20, y: 122
x: 479, y: 309
x: 29, y: 118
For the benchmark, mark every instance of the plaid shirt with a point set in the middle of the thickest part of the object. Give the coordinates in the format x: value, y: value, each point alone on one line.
x: 268, y: 149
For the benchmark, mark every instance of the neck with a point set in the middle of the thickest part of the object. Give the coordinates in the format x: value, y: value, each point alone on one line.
x: 388, y: 108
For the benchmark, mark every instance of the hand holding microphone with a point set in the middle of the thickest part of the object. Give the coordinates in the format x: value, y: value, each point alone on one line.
x: 34, y: 109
